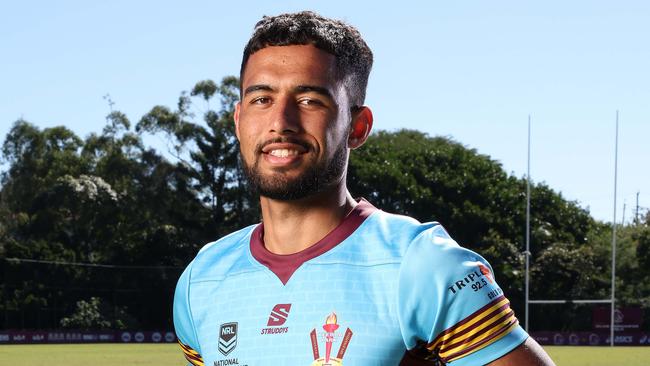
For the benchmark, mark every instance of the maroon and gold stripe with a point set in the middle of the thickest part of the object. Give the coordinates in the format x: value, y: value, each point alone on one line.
x: 483, y: 327
x: 191, y: 355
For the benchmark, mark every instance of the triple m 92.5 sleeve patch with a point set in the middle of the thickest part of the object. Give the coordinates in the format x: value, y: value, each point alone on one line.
x: 452, y: 309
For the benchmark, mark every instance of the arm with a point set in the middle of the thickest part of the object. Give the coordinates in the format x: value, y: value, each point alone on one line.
x: 183, y: 322
x: 452, y: 310
x: 529, y: 353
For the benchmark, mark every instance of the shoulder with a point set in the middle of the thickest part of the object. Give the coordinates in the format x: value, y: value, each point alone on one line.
x: 397, y: 231
x: 219, y: 258
x: 435, y: 253
x: 395, y: 227
x: 435, y: 264
x: 213, y: 262
x: 410, y: 237
x: 443, y: 288
x: 227, y: 242
x: 382, y: 238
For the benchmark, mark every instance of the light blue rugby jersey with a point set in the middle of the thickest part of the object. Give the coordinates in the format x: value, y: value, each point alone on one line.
x: 377, y: 285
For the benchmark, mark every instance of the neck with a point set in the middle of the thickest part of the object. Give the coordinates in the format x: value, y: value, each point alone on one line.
x: 292, y: 226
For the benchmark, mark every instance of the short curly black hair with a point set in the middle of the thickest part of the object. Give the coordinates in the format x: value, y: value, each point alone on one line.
x: 353, y: 56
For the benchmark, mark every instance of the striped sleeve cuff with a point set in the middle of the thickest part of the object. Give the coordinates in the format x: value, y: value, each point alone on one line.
x: 191, y: 355
x: 482, y: 328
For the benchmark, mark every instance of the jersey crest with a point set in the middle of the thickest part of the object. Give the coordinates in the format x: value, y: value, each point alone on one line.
x: 227, y: 338
x: 330, y: 336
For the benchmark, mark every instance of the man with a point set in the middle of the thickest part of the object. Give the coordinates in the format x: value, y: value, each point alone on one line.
x: 325, y: 279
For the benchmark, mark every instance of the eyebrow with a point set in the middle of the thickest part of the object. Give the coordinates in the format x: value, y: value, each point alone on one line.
x: 299, y: 89
x: 314, y: 89
x: 254, y: 88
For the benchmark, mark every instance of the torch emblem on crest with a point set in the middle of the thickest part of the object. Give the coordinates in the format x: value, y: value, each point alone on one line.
x: 330, y: 327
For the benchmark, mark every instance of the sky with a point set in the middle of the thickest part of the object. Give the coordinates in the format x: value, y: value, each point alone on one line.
x: 470, y: 70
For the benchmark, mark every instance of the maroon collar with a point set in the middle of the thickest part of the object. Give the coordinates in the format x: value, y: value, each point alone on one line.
x: 285, y: 265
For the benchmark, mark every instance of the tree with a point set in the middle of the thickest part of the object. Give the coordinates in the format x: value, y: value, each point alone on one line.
x: 208, y: 151
x: 135, y: 216
x: 94, y: 314
x: 436, y: 178
x: 642, y: 237
x: 103, y: 200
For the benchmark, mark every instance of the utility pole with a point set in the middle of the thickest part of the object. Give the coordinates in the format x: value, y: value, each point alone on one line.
x: 527, y: 252
x: 636, y: 212
x: 611, y: 329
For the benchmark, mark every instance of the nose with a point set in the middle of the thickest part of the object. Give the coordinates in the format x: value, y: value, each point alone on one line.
x: 284, y: 117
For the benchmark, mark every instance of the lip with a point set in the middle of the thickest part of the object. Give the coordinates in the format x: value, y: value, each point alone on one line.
x: 283, y: 146
x: 296, y: 152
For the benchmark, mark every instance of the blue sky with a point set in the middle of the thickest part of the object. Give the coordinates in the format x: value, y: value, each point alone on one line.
x: 472, y: 70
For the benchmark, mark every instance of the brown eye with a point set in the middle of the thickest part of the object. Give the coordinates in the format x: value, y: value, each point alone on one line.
x: 310, y: 102
x: 261, y: 100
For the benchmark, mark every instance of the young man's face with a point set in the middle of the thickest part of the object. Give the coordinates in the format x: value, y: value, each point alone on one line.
x: 293, y: 122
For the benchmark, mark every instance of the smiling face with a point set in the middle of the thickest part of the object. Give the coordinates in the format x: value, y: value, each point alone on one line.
x: 293, y: 122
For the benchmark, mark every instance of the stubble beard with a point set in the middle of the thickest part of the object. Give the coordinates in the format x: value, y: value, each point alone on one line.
x: 317, y: 178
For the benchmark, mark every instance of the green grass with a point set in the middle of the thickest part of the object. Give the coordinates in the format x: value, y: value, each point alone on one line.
x: 599, y: 356
x: 170, y: 355
x: 91, y: 355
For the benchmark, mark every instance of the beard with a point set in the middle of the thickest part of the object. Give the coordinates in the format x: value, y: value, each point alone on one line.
x: 315, y: 179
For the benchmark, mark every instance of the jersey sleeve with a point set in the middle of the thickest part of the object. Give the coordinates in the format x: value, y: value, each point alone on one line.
x: 183, y: 322
x: 451, y: 309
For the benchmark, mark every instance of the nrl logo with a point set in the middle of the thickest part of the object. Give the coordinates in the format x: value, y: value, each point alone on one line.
x: 227, y: 338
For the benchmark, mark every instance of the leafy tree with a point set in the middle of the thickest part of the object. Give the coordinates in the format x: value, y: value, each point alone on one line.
x: 136, y: 216
x: 212, y: 158
x: 94, y: 314
x: 436, y: 178
x: 108, y: 199
x: 103, y: 200
x: 642, y: 236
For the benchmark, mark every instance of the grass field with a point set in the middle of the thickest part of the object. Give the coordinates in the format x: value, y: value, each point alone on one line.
x: 170, y: 355
x: 600, y: 356
x: 91, y: 355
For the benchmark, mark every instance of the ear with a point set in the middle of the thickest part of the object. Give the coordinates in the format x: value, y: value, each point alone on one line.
x: 236, y: 117
x: 360, y: 128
